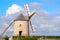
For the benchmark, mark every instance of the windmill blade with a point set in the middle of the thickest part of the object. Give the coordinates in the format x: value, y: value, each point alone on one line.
x: 33, y: 30
x: 27, y: 9
x: 32, y: 14
x: 6, y: 28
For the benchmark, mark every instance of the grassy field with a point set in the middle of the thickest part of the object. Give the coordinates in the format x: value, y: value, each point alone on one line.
x: 37, y: 38
x: 34, y: 38
x: 26, y: 38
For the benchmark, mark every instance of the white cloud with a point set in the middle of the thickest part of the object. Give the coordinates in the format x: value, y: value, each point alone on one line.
x: 14, y: 9
x: 35, y: 5
x: 50, y: 1
x: 45, y: 23
x: 58, y: 11
x: 57, y: 20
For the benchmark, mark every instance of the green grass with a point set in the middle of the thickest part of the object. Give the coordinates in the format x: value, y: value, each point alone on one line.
x: 52, y: 37
x: 26, y: 38
x: 33, y: 37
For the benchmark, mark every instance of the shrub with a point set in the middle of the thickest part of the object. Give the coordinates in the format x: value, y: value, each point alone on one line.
x: 6, y: 38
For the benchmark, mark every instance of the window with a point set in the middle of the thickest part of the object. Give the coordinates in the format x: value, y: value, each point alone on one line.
x: 20, y: 25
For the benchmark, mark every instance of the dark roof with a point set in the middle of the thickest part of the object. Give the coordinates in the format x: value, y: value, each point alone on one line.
x: 21, y: 17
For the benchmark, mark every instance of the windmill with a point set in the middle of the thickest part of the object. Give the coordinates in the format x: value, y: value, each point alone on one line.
x: 21, y: 23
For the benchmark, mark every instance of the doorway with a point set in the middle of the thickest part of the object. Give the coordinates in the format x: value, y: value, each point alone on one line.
x: 20, y: 32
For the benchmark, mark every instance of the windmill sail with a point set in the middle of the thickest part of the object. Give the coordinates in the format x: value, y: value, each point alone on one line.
x: 33, y: 30
x: 27, y: 9
x: 6, y: 28
x: 32, y: 14
x: 29, y: 16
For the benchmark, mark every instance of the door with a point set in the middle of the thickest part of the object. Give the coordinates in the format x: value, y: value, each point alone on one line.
x: 20, y: 32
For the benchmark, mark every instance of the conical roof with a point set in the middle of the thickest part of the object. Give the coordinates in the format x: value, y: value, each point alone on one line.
x: 21, y: 17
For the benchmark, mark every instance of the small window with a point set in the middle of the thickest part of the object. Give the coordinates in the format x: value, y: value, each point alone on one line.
x: 20, y: 25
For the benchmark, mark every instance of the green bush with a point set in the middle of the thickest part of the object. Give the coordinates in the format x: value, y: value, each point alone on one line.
x: 6, y: 38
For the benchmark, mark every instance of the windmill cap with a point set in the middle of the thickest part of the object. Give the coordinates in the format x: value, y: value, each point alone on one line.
x: 21, y: 17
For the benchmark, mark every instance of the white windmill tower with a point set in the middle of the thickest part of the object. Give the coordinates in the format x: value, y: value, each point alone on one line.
x: 21, y: 23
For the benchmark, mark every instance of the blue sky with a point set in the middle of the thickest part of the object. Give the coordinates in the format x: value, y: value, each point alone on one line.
x: 48, y: 5
x: 47, y: 13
